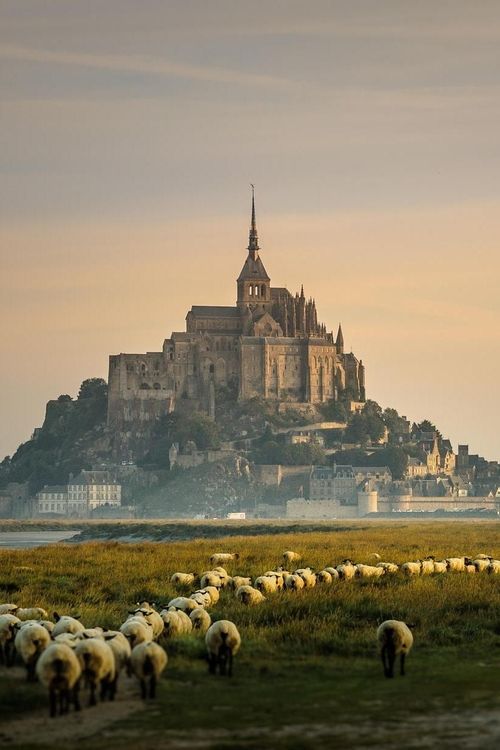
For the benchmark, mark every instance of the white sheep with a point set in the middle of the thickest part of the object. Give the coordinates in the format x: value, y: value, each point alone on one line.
x: 201, y: 620
x: 324, y: 576
x: 223, y: 642
x: 290, y: 557
x: 388, y: 567
x: 8, y: 609
x: 294, y: 582
x: 266, y: 584
x: 346, y: 570
x: 66, y: 624
x: 369, y: 571
x: 212, y: 592
x: 183, y: 579
x: 457, y: 564
x: 308, y: 576
x: 333, y: 572
x: 211, y: 578
x: 30, y: 641
x: 120, y: 647
x: 482, y: 556
x: 202, y: 598
x: 148, y: 660
x: 412, y: 568
x: 176, y: 622
x: 70, y: 639
x: 223, y: 557
x: 98, y: 667
x: 427, y: 566
x: 59, y: 670
x: 395, y: 638
x: 481, y: 564
x: 8, y: 630
x: 248, y: 595
x: 31, y: 613
x: 136, y: 630
x: 470, y: 568
x: 90, y: 633
x: 278, y: 575
x: 151, y: 616
x: 440, y: 566
x: 494, y: 567
x: 237, y: 581
x: 184, y: 603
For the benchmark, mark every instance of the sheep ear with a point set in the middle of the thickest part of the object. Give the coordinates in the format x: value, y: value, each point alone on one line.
x: 56, y: 616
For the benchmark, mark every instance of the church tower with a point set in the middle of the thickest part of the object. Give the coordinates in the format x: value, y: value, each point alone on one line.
x: 254, y: 285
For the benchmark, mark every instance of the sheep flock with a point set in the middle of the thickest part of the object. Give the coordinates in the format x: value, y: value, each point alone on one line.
x: 68, y: 657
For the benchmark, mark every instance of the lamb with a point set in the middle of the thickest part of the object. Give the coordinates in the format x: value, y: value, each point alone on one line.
x: 237, y: 581
x: 388, y: 567
x: 412, y: 568
x: 152, y: 617
x: 98, y: 667
x: 8, y: 629
x: 201, y: 620
x: 223, y: 642
x: 8, y: 609
x: 176, y: 622
x: 266, y: 584
x: 294, y: 582
x: 148, y: 660
x: 183, y: 579
x: 183, y: 603
x: 369, y: 571
x: 59, y: 670
x: 346, y: 570
x: 31, y: 613
x: 394, y: 637
x: 290, y: 557
x: 66, y: 624
x: 248, y: 595
x: 223, y: 557
x: 30, y: 641
x: 136, y: 630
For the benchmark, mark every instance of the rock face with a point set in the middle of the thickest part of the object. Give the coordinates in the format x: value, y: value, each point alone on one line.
x: 270, y: 345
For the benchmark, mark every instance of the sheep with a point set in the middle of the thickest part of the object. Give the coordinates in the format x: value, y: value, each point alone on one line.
x: 294, y: 582
x: 470, y: 568
x: 223, y: 642
x: 148, y: 660
x: 427, y: 566
x: 152, y: 617
x: 136, y: 630
x: 223, y: 557
x: 59, y: 670
x: 202, y: 598
x: 290, y: 557
x: 278, y: 575
x: 183, y: 579
x: 324, y: 576
x: 30, y: 641
x: 183, y: 603
x: 248, y: 595
x: 457, y: 563
x: 308, y: 576
x: 333, y: 572
x: 237, y: 581
x: 8, y: 609
x: 120, y: 647
x: 481, y: 564
x: 176, y: 622
x: 90, y: 633
x: 201, y: 620
x: 368, y: 571
x: 70, y: 639
x: 394, y: 637
x: 223, y: 575
x: 212, y: 592
x: 8, y: 631
x: 388, y: 567
x: 346, y: 570
x: 494, y: 567
x: 412, y: 568
x: 66, y: 624
x: 482, y: 556
x: 31, y: 613
x: 440, y: 566
x: 98, y: 667
x: 266, y: 584
x: 211, y: 578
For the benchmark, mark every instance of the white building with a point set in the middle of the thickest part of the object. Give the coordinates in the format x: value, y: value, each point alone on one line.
x: 53, y: 500
x: 83, y: 494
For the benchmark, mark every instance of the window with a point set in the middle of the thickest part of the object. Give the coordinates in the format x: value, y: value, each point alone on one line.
x: 250, y: 290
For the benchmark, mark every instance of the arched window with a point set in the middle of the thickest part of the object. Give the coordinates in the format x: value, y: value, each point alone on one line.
x: 250, y: 290
x: 263, y: 291
x: 157, y: 386
x: 256, y: 292
x: 144, y: 387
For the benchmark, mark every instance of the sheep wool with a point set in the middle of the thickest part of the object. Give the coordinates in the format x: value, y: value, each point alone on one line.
x: 59, y: 670
x: 201, y: 620
x: 66, y: 624
x: 148, y: 660
x: 223, y: 642
x: 289, y: 556
x: 223, y: 557
x: 136, y: 630
x: 98, y: 667
x: 395, y: 639
x: 183, y: 579
x: 120, y: 647
x: 31, y: 613
x: 294, y: 582
x: 30, y: 641
x: 8, y: 629
x: 248, y: 595
x: 8, y: 609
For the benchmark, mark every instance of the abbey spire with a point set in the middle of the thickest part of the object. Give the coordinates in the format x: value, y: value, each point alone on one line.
x: 253, y: 238
x: 254, y: 285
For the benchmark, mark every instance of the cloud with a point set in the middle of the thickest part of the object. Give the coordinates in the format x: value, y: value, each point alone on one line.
x: 145, y: 65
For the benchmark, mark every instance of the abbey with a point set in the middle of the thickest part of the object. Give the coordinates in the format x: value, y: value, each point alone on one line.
x: 269, y: 345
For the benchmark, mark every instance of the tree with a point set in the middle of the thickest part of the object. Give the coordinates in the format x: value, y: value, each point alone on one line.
x: 372, y: 409
x: 395, y: 458
x: 356, y: 431
x: 334, y: 411
x: 93, y: 388
x: 64, y: 398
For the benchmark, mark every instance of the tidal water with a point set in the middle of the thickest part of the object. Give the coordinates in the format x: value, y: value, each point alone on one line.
x: 28, y: 539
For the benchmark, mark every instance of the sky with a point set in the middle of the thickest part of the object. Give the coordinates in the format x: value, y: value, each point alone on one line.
x: 129, y: 134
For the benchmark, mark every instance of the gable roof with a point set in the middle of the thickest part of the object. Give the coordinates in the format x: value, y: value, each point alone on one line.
x: 253, y: 269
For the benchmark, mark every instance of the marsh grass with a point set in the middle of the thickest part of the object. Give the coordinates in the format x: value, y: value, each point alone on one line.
x: 305, y: 650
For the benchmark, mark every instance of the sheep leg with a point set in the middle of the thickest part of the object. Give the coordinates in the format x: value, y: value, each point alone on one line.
x: 2, y: 655
x: 92, y: 701
x: 383, y: 654
x: 152, y: 686
x: 52, y: 702
x: 30, y: 671
x: 212, y: 663
x: 402, y: 663
x: 76, y: 697
x: 230, y: 664
x: 144, y: 694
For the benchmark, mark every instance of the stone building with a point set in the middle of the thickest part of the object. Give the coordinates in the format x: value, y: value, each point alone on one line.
x: 85, y: 493
x: 270, y: 344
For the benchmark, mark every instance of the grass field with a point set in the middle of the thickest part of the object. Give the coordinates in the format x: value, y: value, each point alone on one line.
x: 308, y: 671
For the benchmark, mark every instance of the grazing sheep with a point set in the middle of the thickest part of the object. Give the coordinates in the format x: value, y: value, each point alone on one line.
x: 494, y: 567
x: 482, y: 556
x: 324, y: 576
x: 248, y: 595
x: 8, y: 630
x: 152, y: 617
x: 388, y: 567
x: 470, y: 568
x: 223, y: 557
x: 278, y: 576
x: 211, y: 578
x: 136, y: 630
x: 223, y: 642
x: 440, y: 566
x: 66, y: 624
x: 266, y: 584
x: 412, y: 568
x: 201, y: 620
x: 184, y: 603
x: 481, y: 564
x: 369, y: 571
x: 31, y: 613
x: 290, y: 557
x: 98, y: 667
x: 394, y: 637
x: 427, y: 566
x: 176, y: 622
x: 183, y: 579
x: 148, y: 660
x: 30, y: 641
x: 346, y: 570
x: 59, y: 670
x: 211, y: 592
x: 333, y: 572
x: 120, y: 647
x: 457, y: 564
x: 294, y: 582
x: 237, y: 581
x: 202, y: 598
x: 8, y: 609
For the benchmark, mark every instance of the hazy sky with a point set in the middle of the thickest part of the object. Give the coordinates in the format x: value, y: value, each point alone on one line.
x: 130, y: 132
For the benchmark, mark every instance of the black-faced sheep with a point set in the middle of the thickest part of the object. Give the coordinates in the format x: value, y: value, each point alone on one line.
x: 59, y: 670
x: 223, y: 642
x: 395, y: 638
x: 148, y: 660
